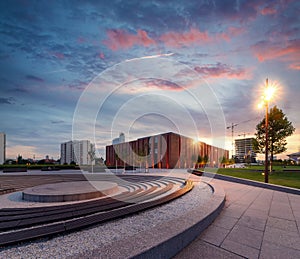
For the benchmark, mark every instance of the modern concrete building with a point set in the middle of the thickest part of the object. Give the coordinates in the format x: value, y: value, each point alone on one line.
x: 77, y: 151
x: 2, y: 147
x: 168, y: 150
x: 244, y: 150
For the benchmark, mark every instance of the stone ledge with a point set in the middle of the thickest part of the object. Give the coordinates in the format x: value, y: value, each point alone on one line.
x: 167, y: 239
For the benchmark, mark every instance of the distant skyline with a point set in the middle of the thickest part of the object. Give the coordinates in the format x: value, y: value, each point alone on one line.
x: 93, y: 69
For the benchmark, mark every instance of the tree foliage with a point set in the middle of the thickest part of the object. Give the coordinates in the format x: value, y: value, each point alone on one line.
x: 278, y: 130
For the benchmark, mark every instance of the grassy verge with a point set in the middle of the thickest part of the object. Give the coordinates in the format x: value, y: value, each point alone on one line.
x: 281, y: 176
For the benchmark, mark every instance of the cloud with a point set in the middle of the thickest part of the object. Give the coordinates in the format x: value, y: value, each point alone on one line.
x: 57, y: 121
x: 162, y: 84
x: 24, y: 150
x: 58, y: 55
x: 267, y: 51
x: 220, y: 70
x: 178, y: 39
x: 9, y: 100
x: 34, y: 78
x: 269, y: 10
x: 231, y: 33
x: 101, y: 55
x: 120, y: 39
x: 78, y: 85
x: 295, y: 66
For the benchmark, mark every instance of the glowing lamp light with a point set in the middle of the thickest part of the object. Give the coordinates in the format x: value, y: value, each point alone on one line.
x: 269, y: 93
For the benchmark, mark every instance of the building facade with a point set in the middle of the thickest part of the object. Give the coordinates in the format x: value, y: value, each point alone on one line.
x: 2, y: 148
x: 244, y: 150
x: 77, y: 151
x: 168, y: 150
x: 295, y: 157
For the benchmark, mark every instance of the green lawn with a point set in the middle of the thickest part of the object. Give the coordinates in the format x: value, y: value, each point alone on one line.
x: 279, y: 177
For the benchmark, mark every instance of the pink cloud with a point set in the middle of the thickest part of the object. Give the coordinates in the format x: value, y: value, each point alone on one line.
x: 101, y: 55
x: 220, y: 70
x: 295, y: 66
x: 119, y: 39
x: 231, y: 32
x: 269, y: 10
x: 290, y: 52
x: 58, y: 55
x: 162, y: 84
x: 81, y: 40
x: 176, y: 39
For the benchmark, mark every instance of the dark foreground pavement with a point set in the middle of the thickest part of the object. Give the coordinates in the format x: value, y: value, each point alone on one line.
x: 255, y: 223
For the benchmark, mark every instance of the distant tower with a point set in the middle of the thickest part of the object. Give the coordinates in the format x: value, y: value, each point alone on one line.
x: 2, y: 147
x: 121, y: 137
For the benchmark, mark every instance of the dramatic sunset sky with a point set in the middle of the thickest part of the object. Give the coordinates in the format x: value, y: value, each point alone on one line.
x: 96, y: 68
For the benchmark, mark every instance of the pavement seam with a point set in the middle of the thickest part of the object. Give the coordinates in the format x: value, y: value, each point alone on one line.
x: 249, y: 190
x: 298, y: 227
x: 264, y: 231
x: 222, y: 248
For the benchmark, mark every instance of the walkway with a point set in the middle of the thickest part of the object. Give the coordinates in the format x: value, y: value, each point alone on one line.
x: 255, y: 223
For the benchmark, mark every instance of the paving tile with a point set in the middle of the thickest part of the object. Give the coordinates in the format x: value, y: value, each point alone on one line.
x: 235, y: 211
x: 281, y: 210
x: 253, y: 222
x: 225, y: 221
x: 280, y: 197
x: 253, y: 212
x: 215, y: 235
x: 246, y: 236
x: 287, y: 225
x: 240, y: 249
x: 274, y: 251
x: 201, y: 249
x: 263, y: 206
x: 282, y: 237
x: 296, y: 212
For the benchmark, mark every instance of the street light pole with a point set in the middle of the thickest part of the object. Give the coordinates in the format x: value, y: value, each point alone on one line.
x: 266, y: 141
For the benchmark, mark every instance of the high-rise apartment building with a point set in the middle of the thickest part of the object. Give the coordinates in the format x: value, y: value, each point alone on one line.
x: 244, y: 150
x: 2, y: 148
x: 77, y: 151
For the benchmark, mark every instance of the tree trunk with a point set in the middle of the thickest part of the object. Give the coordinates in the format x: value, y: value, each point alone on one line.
x: 271, y: 158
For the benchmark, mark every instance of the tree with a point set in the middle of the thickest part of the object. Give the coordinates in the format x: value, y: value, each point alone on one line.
x: 205, y: 160
x: 194, y: 160
x: 278, y: 130
x: 199, y: 161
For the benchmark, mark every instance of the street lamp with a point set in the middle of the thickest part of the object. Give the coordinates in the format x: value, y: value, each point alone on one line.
x: 268, y: 94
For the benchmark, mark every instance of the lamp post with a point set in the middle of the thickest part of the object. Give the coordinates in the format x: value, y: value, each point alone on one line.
x: 266, y: 141
x: 269, y: 92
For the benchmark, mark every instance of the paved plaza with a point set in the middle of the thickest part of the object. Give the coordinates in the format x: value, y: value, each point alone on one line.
x: 255, y: 223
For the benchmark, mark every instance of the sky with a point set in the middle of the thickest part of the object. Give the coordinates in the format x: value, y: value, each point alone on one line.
x: 92, y: 69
